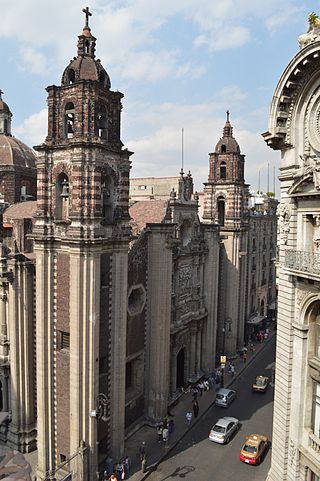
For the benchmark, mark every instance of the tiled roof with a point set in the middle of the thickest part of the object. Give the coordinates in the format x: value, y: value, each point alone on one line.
x: 21, y: 210
x: 147, y: 212
x: 15, y: 152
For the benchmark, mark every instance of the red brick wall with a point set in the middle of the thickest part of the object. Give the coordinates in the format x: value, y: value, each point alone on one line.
x: 63, y: 356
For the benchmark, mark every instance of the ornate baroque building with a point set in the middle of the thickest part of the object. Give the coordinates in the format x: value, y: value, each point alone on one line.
x: 294, y: 130
x: 105, y: 311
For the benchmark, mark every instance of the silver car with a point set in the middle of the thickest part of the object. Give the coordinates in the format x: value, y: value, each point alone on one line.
x: 225, y: 397
x: 224, y: 429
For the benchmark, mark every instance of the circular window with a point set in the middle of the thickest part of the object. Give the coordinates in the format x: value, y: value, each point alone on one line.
x: 136, y: 300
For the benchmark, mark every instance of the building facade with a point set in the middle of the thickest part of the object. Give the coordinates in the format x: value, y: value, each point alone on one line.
x: 294, y: 130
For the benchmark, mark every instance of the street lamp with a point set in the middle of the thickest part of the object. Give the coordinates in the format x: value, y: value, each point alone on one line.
x: 101, y: 411
x: 226, y: 322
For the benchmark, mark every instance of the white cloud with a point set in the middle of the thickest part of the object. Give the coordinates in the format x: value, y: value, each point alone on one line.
x: 33, y: 60
x: 33, y: 130
x: 225, y: 38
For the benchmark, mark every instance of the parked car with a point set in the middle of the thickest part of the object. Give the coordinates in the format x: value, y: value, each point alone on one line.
x: 253, y: 449
x: 260, y: 384
x: 224, y: 429
x: 225, y: 397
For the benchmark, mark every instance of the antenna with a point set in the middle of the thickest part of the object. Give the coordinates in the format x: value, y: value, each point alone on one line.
x: 268, y: 178
x: 274, y: 180
x: 182, y: 149
x: 259, y: 182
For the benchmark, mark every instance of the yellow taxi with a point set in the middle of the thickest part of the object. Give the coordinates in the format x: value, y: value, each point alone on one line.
x: 260, y: 384
x: 253, y: 449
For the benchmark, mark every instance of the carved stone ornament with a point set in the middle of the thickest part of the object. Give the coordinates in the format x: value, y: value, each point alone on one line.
x: 185, y: 274
x: 284, y: 214
x: 292, y: 452
x: 316, y: 233
x: 313, y: 33
x: 188, y: 187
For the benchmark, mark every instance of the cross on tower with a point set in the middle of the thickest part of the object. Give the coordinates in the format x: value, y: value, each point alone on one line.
x: 228, y: 113
x: 1, y: 92
x: 87, y: 14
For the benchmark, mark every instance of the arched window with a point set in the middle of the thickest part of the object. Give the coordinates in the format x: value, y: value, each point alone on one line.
x: 62, y: 197
x: 223, y: 170
x: 186, y: 232
x: 102, y: 79
x: 107, y: 197
x: 221, y: 210
x: 102, y: 123
x: 86, y: 46
x: 5, y: 126
x: 69, y: 120
x: 71, y: 76
x: 223, y: 148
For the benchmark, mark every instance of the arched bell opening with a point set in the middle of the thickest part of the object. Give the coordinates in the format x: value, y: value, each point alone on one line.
x: 262, y: 308
x: 87, y: 47
x: 180, y: 369
x: 102, y: 123
x: 107, y: 198
x: 221, y: 210
x: 62, y: 197
x: 223, y: 169
x: 71, y: 76
x: 69, y: 120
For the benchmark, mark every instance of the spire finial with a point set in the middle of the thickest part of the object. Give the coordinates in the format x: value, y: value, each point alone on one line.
x: 87, y: 14
x: 1, y: 92
x: 228, y: 115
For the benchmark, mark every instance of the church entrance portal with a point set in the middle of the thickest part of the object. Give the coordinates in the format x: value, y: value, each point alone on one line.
x: 180, y: 368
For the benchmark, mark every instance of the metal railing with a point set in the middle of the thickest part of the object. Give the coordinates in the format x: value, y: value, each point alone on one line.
x: 302, y: 261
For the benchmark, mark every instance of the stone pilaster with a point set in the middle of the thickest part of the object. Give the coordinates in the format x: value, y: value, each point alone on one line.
x: 119, y: 290
x: 159, y: 315
x: 45, y: 362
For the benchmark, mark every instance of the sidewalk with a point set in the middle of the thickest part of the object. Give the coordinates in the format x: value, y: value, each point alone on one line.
x: 156, y: 451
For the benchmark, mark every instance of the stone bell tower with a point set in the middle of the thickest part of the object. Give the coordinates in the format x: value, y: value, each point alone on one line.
x: 225, y: 203
x: 81, y: 240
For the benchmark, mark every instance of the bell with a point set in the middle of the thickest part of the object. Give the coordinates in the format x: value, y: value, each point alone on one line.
x: 65, y: 189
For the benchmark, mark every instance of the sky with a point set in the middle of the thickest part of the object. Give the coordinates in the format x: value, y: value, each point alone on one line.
x: 179, y: 63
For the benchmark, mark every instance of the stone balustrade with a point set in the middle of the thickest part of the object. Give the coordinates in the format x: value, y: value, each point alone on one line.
x: 302, y: 261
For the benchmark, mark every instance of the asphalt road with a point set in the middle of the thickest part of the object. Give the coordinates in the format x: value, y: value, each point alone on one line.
x: 196, y: 458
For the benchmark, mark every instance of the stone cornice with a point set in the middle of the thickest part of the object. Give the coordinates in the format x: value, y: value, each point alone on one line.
x: 297, y: 74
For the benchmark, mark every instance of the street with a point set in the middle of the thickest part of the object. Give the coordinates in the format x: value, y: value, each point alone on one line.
x: 196, y: 458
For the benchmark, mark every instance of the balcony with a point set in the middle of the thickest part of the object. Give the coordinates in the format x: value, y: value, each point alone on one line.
x: 314, y: 442
x: 302, y: 261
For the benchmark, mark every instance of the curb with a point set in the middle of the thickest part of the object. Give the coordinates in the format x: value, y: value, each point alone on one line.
x: 229, y: 383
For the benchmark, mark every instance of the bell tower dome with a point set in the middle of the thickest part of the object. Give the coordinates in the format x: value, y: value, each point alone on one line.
x: 5, y: 117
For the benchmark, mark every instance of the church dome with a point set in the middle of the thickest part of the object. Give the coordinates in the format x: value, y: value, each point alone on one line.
x: 227, y: 144
x: 15, y: 152
x: 85, y: 66
x: 4, y: 107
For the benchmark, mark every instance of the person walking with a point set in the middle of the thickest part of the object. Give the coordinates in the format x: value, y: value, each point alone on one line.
x: 170, y: 425
x: 245, y: 356
x: 159, y: 431
x: 142, y: 451
x: 126, y: 464
x: 189, y: 417
x: 195, y: 407
x: 232, y: 370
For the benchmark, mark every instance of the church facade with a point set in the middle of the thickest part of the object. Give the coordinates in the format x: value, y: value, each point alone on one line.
x: 107, y: 310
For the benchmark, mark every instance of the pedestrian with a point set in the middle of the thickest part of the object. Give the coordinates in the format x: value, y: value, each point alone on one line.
x: 251, y: 347
x: 126, y: 465
x: 195, y: 407
x: 200, y: 387
x: 195, y: 392
x: 113, y: 477
x: 189, y: 417
x: 206, y: 385
x: 159, y: 432
x: 165, y: 435
x: 245, y: 355
x: 142, y: 451
x: 232, y: 370
x: 120, y: 470
x: 266, y: 336
x: 260, y: 337
x: 170, y: 425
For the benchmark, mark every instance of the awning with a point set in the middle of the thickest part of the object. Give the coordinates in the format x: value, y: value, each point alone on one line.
x: 3, y: 416
x: 255, y: 320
